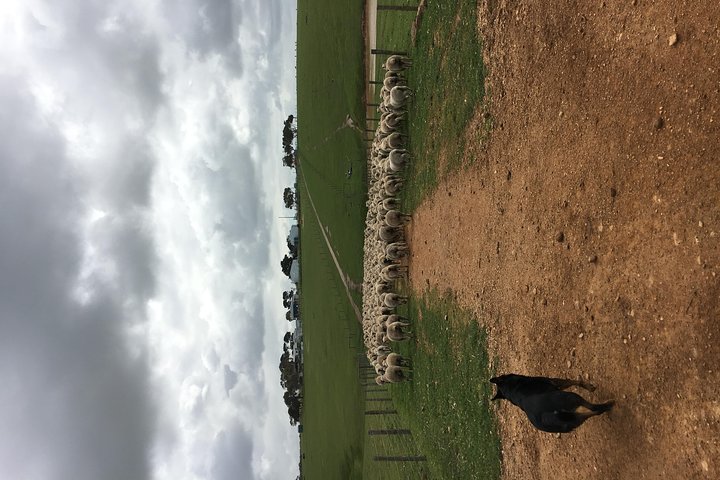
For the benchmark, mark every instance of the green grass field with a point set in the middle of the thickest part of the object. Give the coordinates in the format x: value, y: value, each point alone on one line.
x: 446, y: 404
x: 448, y: 80
x: 330, y: 83
x: 333, y: 403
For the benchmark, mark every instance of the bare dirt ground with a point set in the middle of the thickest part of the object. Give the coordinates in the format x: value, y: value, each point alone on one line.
x: 585, y: 233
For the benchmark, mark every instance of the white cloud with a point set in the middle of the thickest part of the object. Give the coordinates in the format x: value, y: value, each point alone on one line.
x: 149, y: 134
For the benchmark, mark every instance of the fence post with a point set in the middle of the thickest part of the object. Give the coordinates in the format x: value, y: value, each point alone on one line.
x: 398, y: 8
x: 402, y: 458
x: 394, y: 431
x: 378, y: 51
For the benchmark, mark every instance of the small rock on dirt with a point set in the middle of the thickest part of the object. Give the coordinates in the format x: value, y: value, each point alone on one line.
x: 613, y: 192
x: 672, y: 39
x: 560, y: 236
x: 659, y: 123
x: 592, y: 259
x: 581, y: 335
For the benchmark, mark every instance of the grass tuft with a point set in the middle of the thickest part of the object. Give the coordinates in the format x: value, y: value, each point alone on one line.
x: 447, y: 403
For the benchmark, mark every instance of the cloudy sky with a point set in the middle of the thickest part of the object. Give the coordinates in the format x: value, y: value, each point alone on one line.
x: 141, y: 316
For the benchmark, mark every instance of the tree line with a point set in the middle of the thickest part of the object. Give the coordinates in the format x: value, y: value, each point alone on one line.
x: 289, y: 133
x: 290, y: 367
x: 290, y: 379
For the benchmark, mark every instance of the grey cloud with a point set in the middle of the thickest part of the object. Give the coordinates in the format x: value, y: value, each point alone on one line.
x: 211, y: 358
x: 272, y: 12
x: 78, y: 397
x: 124, y: 238
x: 249, y: 331
x: 232, y: 454
x: 126, y: 179
x: 209, y: 27
x: 117, y: 68
x: 230, y: 378
x: 237, y: 196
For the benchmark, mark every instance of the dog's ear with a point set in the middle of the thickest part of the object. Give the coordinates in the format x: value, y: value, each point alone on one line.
x: 498, y: 395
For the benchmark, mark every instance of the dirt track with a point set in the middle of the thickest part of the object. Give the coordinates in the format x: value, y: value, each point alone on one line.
x: 585, y: 233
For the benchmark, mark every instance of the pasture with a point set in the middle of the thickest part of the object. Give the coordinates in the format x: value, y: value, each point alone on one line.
x: 332, y: 416
x: 451, y: 407
x: 565, y: 223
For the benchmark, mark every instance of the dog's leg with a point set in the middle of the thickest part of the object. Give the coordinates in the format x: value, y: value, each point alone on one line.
x: 564, y: 384
x: 587, y: 409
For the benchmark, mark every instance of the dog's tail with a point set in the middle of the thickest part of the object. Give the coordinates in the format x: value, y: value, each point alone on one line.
x: 603, y: 407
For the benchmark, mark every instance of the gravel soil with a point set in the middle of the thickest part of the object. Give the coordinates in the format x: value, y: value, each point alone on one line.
x: 584, y: 232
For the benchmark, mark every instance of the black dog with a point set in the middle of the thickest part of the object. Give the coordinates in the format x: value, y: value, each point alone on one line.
x: 545, y: 403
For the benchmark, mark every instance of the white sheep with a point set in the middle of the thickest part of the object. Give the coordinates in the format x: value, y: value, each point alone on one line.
x: 394, y: 218
x: 399, y: 96
x: 394, y: 317
x: 391, y: 204
x: 395, y: 374
x: 393, y: 300
x: 397, y: 63
x: 393, y: 272
x: 386, y: 128
x: 393, y: 141
x: 396, y: 250
x: 389, y: 234
x: 392, y: 186
x: 382, y: 349
x: 382, y: 287
x: 393, y: 119
x: 395, y: 360
x: 396, y: 331
x: 393, y: 81
x: 383, y: 310
x: 397, y: 159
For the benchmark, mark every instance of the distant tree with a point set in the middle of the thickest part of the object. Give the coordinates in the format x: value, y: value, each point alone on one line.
x: 285, y: 369
x: 293, y: 403
x: 289, y: 376
x: 289, y: 160
x: 288, y: 136
x: 290, y: 380
x: 288, y: 197
x: 293, y: 248
x: 285, y: 264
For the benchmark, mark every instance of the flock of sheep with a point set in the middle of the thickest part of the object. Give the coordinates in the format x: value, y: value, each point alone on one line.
x: 385, y: 246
